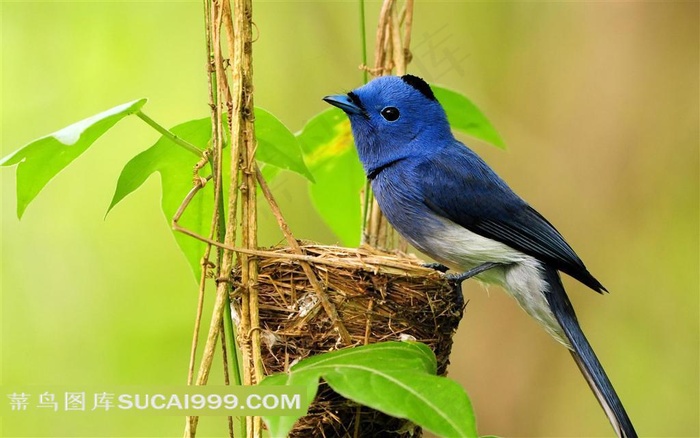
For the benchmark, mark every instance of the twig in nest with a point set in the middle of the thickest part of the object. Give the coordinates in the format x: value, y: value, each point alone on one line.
x: 318, y: 288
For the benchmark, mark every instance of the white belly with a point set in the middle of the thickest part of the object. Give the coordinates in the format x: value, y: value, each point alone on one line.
x: 521, y: 275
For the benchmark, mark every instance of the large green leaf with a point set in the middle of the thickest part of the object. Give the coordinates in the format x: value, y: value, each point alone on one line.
x: 277, y: 146
x: 466, y: 117
x: 175, y: 165
x: 42, y: 159
x: 277, y: 149
x: 397, y: 378
x: 331, y: 156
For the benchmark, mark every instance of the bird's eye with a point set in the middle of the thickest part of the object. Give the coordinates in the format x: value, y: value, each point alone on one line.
x: 390, y: 113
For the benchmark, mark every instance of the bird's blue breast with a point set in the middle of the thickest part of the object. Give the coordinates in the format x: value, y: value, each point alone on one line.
x: 402, y: 202
x: 400, y: 190
x: 400, y: 195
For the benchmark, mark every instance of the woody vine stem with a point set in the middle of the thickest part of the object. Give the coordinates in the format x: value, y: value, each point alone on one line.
x: 228, y: 29
x: 229, y: 25
x: 231, y: 102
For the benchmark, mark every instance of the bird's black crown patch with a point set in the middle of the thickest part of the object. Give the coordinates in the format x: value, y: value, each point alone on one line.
x: 420, y: 85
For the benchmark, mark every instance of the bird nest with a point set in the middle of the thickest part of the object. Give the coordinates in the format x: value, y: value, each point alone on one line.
x: 378, y: 297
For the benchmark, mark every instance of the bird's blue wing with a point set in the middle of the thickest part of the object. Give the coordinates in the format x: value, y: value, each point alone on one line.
x: 457, y: 184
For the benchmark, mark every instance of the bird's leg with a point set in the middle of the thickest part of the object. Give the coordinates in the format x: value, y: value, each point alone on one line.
x: 456, y: 279
x: 459, y: 278
x: 437, y: 266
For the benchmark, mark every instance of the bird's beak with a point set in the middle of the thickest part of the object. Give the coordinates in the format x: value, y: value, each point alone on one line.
x: 343, y: 102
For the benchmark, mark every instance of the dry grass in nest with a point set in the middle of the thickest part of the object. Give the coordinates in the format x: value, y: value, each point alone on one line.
x: 378, y: 296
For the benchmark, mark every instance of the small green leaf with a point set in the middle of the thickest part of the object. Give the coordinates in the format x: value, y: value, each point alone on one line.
x: 277, y: 145
x: 397, y: 378
x: 42, y: 159
x: 466, y: 117
x: 175, y: 166
x: 331, y: 155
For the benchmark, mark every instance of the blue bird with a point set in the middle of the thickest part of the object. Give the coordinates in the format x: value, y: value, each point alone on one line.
x: 449, y: 204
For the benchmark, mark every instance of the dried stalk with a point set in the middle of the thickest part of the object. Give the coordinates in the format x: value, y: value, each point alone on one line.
x: 391, y: 53
x: 191, y: 422
x: 407, y: 21
x: 379, y: 45
x: 315, y: 283
x: 216, y: 13
x: 199, y: 184
x: 226, y: 326
x: 249, y: 333
x: 397, y: 43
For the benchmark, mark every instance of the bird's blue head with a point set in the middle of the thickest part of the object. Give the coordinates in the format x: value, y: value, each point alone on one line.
x: 393, y: 118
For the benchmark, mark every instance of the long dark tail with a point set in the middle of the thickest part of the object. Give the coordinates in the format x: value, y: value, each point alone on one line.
x: 585, y: 357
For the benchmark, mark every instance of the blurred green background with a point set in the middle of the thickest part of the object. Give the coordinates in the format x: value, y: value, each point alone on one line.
x: 598, y: 103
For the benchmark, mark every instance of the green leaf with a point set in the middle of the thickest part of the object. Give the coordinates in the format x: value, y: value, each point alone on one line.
x: 435, y: 403
x: 466, y: 117
x: 398, y: 356
x: 42, y: 159
x: 280, y: 426
x: 175, y: 164
x: 330, y: 153
x: 397, y: 378
x: 277, y: 145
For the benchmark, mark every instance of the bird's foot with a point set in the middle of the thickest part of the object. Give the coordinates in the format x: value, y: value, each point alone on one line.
x: 456, y: 279
x: 459, y: 278
x: 436, y: 266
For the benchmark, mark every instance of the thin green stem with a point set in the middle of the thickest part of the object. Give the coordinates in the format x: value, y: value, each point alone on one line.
x: 367, y: 202
x: 174, y: 138
x: 228, y: 322
x: 233, y: 347
x: 363, y: 38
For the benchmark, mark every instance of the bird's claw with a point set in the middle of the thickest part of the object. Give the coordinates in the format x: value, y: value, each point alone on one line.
x: 456, y: 280
x: 436, y: 266
x: 459, y: 278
